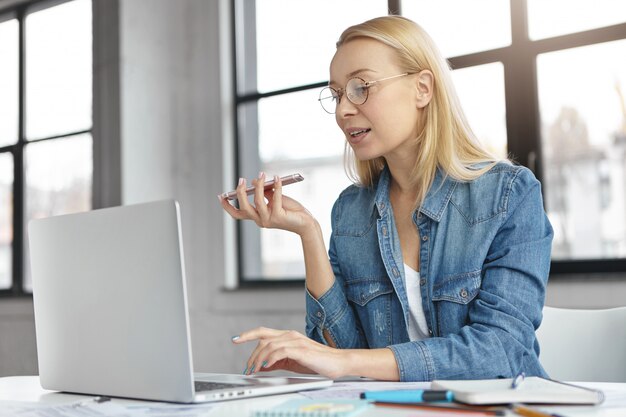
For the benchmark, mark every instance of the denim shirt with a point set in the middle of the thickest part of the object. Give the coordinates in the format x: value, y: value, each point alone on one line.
x: 484, y: 262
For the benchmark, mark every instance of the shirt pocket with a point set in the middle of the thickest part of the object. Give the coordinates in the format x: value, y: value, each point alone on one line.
x: 371, y: 300
x: 356, y: 224
x: 451, y: 298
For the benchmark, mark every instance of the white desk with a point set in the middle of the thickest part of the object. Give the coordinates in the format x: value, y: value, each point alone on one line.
x: 27, y: 388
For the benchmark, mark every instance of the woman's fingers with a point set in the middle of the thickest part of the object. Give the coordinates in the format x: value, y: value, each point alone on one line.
x: 264, y: 336
x: 233, y: 211
x: 288, y: 350
x: 259, y: 200
x: 268, y: 208
x: 277, y: 196
x: 289, y: 365
x: 244, y: 204
x: 270, y: 351
x: 292, y: 351
x: 258, y: 333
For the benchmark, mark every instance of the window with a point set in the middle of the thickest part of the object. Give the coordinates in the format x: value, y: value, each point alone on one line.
x: 523, y: 80
x: 45, y: 129
x: 584, y: 148
x: 281, y: 127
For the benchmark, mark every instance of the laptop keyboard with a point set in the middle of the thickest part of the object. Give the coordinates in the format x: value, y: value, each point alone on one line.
x: 209, y: 386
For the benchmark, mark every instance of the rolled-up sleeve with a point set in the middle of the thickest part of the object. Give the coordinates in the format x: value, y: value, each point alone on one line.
x: 332, y: 312
x: 499, y: 339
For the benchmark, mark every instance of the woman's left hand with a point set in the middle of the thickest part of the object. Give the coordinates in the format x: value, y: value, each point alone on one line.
x: 292, y: 351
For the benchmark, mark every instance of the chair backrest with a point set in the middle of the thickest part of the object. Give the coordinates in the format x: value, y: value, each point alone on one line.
x: 583, y: 345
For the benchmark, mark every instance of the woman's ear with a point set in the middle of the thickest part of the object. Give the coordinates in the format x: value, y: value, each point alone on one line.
x: 425, y: 80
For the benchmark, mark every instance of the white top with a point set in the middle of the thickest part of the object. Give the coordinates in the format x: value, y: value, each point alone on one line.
x: 416, y: 326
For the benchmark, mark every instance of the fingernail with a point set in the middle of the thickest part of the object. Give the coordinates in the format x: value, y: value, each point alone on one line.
x: 252, y: 369
x: 234, y: 338
x: 219, y: 198
x: 240, y: 181
x: 264, y: 364
x: 245, y: 370
x: 261, y: 174
x: 276, y: 179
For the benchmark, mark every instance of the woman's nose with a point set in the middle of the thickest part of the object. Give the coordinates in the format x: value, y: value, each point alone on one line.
x: 345, y: 108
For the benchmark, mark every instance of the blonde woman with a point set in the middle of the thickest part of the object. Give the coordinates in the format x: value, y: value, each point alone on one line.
x: 439, y: 254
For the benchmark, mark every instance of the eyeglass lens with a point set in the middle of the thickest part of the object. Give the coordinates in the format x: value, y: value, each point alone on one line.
x: 355, y: 91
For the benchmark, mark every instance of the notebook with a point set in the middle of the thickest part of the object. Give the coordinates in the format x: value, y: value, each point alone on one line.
x: 315, y: 408
x: 533, y: 390
x: 111, y: 310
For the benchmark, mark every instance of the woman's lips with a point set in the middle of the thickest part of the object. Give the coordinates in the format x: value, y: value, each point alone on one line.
x: 357, y: 135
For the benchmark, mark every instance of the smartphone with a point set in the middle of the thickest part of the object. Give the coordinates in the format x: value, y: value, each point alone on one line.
x: 286, y: 180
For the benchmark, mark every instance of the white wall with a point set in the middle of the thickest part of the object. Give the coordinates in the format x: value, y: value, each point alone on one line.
x: 172, y: 137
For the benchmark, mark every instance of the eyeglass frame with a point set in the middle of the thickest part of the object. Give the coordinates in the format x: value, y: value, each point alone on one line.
x: 366, y: 84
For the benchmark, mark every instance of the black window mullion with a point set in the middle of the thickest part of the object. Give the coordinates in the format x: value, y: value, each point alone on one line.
x: 521, y: 97
x: 394, y: 7
x: 18, y: 161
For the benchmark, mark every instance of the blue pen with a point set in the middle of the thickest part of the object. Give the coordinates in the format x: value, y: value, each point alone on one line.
x: 517, y: 381
x: 406, y: 396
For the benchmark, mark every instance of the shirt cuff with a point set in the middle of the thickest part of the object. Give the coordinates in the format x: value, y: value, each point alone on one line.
x: 414, y: 361
x: 328, y: 309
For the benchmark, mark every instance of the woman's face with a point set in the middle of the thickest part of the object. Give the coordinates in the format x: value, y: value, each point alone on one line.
x: 387, y: 124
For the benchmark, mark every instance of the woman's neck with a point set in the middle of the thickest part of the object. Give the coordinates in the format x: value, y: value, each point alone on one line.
x: 401, y: 176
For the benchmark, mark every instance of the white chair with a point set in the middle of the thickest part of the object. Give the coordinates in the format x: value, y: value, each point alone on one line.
x: 583, y: 345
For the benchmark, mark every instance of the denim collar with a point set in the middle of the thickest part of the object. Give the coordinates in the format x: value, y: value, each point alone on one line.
x: 436, y: 200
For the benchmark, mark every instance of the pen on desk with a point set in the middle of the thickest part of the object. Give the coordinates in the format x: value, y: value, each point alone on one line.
x: 409, y: 396
x: 531, y: 412
x: 517, y: 381
x: 444, y: 409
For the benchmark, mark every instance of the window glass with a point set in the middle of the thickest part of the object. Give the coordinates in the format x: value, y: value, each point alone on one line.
x: 294, y: 126
x: 481, y: 91
x: 460, y: 27
x: 559, y: 17
x: 294, y: 135
x: 6, y: 219
x: 8, y: 82
x: 281, y: 252
x: 295, y: 42
x: 583, y: 122
x: 58, y: 181
x: 59, y: 70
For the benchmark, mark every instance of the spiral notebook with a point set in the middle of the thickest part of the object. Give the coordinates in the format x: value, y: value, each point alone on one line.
x: 534, y: 390
x: 315, y: 408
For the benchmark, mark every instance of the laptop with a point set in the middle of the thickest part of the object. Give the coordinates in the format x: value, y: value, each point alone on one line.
x: 111, y: 310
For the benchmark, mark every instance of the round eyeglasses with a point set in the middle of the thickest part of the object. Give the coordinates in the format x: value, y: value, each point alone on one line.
x: 357, y: 91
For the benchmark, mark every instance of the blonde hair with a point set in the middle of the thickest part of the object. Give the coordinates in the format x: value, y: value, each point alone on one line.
x: 446, y: 140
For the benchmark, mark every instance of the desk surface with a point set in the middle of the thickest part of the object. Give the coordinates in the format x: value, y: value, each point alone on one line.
x: 28, y: 389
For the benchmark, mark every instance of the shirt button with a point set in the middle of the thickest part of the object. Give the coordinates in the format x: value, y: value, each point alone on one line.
x: 430, y: 332
x: 382, y: 206
x: 422, y: 282
x: 319, y: 314
x: 384, y: 231
x: 463, y: 293
x: 424, y: 238
x: 395, y: 272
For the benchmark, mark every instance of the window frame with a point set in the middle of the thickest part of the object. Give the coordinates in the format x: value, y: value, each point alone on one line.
x: 20, y: 12
x: 521, y: 102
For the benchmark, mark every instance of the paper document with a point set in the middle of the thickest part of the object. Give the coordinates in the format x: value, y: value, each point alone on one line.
x: 80, y: 409
x: 90, y: 408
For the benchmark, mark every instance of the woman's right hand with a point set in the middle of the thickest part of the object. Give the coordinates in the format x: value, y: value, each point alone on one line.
x: 278, y: 212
